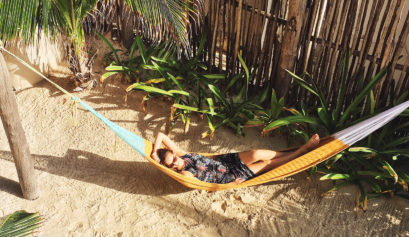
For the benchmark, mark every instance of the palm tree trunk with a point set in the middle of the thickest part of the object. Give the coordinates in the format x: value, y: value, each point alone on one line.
x: 291, y: 38
x: 16, y: 136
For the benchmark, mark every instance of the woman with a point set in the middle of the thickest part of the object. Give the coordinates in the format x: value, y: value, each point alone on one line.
x: 227, y: 168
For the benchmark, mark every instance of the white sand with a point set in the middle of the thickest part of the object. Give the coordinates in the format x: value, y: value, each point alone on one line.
x: 93, y: 184
x: 90, y: 187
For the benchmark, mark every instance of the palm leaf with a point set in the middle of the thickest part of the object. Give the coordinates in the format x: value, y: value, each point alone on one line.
x: 363, y: 93
x: 113, y: 50
x: 303, y: 83
x: 20, y: 18
x: 320, y: 94
x: 246, y: 70
x: 396, y: 142
x: 289, y: 120
x: 341, y: 92
x: 20, y: 223
x: 390, y: 170
x: 335, y: 176
x: 218, y: 95
x: 170, y: 17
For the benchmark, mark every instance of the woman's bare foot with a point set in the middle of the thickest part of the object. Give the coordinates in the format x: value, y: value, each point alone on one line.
x: 311, y: 144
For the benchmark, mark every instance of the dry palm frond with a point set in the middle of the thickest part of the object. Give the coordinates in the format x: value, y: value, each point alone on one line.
x: 170, y: 21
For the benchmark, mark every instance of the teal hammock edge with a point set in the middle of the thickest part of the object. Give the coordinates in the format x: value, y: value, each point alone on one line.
x: 135, y: 141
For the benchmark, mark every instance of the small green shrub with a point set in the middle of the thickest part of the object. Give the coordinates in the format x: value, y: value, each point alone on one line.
x: 378, y: 164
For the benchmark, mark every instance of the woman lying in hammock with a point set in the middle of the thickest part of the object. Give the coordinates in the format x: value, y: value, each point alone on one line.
x: 226, y: 168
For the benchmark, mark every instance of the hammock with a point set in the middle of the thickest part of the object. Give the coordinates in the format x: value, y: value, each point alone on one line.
x: 327, y: 147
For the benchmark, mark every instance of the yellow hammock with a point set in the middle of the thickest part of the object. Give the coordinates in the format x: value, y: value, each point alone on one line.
x: 327, y: 148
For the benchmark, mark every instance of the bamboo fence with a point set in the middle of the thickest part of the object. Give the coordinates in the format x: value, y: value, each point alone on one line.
x: 312, y: 36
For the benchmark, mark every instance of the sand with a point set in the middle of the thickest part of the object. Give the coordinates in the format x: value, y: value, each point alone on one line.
x: 94, y: 184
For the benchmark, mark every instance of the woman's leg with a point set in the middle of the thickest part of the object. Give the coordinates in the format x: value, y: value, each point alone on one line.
x: 267, y: 165
x: 253, y: 156
x: 260, y: 160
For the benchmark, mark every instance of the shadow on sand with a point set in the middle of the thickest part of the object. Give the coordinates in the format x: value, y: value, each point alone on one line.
x: 124, y: 176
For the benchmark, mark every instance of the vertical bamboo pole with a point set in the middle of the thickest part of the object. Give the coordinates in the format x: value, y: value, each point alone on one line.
x: 238, y: 29
x: 290, y: 44
x: 15, y: 134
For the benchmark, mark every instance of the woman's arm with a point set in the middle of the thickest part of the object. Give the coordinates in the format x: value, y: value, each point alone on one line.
x: 190, y: 174
x: 187, y: 173
x: 237, y: 181
x: 169, y: 144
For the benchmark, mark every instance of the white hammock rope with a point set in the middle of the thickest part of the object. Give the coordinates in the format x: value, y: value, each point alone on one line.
x: 362, y: 129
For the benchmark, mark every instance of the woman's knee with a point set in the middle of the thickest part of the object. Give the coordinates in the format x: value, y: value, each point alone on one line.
x: 257, y: 155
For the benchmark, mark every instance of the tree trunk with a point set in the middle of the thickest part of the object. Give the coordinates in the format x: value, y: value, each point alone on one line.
x: 16, y: 136
x: 291, y: 38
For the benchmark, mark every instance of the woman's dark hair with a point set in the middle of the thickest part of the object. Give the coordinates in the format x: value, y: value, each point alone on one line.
x: 162, y: 154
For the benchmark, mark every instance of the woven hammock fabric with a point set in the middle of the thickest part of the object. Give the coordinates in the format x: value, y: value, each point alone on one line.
x: 327, y: 148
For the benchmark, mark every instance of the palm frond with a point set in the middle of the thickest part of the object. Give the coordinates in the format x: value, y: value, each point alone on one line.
x: 20, y: 223
x: 170, y: 21
x: 21, y: 18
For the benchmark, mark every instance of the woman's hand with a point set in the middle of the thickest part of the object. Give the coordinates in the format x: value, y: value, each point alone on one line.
x: 238, y: 181
x: 154, y: 156
x: 169, y: 144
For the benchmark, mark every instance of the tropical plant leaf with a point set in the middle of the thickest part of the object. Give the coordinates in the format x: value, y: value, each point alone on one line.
x: 341, y: 92
x: 396, y: 142
x: 180, y: 92
x: 362, y: 95
x: 336, y: 187
x: 233, y: 81
x: 289, y: 120
x: 322, y: 114
x: 303, y: 83
x: 214, y: 76
x: 375, y: 187
x: 333, y: 160
x: 390, y: 170
x: 113, y: 50
x: 117, y: 68
x: 106, y: 75
x: 246, y: 70
x: 263, y: 95
x: 375, y: 174
x: 362, y: 149
x: 218, y: 94
x: 320, y: 95
x: 335, y: 176
x: 20, y: 223
x: 402, y: 98
x: 403, y: 152
x: 211, y: 106
x: 170, y: 17
x: 149, y: 89
x: 175, y: 81
x: 190, y: 108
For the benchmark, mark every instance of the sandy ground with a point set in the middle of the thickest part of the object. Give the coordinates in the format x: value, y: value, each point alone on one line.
x: 93, y: 184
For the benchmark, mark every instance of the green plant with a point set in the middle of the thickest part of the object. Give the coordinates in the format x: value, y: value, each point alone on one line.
x: 131, y: 67
x: 234, y: 112
x: 223, y: 109
x: 377, y: 164
x: 20, y: 223
x: 185, y: 80
x: 326, y: 117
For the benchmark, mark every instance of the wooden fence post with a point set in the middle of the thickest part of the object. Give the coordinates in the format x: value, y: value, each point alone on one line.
x: 16, y: 136
x: 289, y: 49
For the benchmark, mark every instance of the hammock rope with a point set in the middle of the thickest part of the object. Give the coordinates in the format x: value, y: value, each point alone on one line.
x: 327, y: 148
